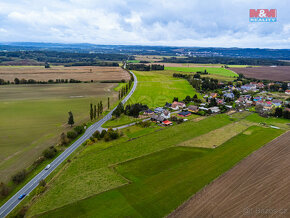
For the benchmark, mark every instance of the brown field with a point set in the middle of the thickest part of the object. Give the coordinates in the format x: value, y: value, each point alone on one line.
x: 257, y: 187
x: 269, y: 73
x: 83, y: 73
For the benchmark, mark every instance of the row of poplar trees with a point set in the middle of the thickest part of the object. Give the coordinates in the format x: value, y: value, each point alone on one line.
x: 97, y: 110
x: 123, y: 92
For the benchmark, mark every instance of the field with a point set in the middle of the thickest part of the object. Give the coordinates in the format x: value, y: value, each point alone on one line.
x: 122, y: 120
x: 156, y: 88
x: 161, y: 180
x: 33, y: 116
x: 257, y: 187
x: 102, y: 155
x: 280, y: 73
x: 159, y: 175
x: 219, y: 136
x: 210, y: 70
x: 83, y: 73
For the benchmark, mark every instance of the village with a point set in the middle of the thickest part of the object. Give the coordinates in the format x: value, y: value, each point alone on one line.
x: 253, y: 97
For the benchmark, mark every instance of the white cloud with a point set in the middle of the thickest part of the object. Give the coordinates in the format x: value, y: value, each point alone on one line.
x: 223, y: 23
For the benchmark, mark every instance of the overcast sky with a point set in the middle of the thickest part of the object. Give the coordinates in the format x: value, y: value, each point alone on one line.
x: 206, y: 23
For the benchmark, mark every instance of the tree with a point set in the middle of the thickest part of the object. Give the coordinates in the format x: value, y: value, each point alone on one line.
x: 119, y: 110
x: 175, y: 99
x: 119, y: 94
x: 4, y: 190
x: 98, y: 110
x: 16, y: 81
x: 278, y: 112
x: 101, y: 107
x: 19, y: 177
x: 63, y: 139
x: 79, y: 129
x: 42, y: 183
x: 49, y: 152
x: 108, y: 103
x: 95, y: 112
x: 91, y: 112
x: 71, y: 134
x: 70, y: 119
x: 46, y: 65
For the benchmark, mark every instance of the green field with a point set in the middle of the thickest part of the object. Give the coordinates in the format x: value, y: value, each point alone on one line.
x: 102, y: 155
x: 120, y: 121
x: 210, y: 70
x: 161, y: 180
x: 156, y: 88
x: 33, y: 116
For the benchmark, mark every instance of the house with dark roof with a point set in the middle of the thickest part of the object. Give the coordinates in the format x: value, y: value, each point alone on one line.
x: 158, y: 110
x: 184, y: 114
x: 167, y: 105
x: 148, y: 112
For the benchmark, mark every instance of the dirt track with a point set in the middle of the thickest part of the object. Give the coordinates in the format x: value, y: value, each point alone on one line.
x: 257, y: 187
x: 268, y: 73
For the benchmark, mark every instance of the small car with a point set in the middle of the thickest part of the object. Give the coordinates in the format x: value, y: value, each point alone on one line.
x: 47, y: 167
x: 21, y: 196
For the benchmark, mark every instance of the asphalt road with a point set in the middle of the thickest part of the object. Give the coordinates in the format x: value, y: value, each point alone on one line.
x: 33, y: 183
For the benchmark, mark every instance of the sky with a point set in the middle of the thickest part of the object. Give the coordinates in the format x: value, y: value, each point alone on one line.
x: 202, y: 23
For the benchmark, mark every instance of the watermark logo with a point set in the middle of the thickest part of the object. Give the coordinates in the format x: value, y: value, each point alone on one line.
x: 263, y: 15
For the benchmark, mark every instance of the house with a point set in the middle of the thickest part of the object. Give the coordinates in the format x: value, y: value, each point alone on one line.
x: 167, y: 105
x: 158, y: 110
x: 229, y: 95
x: 167, y: 123
x: 248, y: 103
x: 148, y: 112
x: 203, y: 108
x: 165, y: 114
x: 249, y: 87
x: 219, y: 101
x: 213, y: 95
x: 184, y: 114
x: 192, y: 108
x: 287, y: 92
x: 214, y: 109
x: 277, y: 102
x: 157, y: 118
x: 177, y: 105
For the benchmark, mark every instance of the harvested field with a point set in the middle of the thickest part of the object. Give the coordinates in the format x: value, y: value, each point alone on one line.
x: 83, y: 73
x: 257, y: 187
x: 269, y: 73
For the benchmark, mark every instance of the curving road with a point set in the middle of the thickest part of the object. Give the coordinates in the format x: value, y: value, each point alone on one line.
x: 33, y: 183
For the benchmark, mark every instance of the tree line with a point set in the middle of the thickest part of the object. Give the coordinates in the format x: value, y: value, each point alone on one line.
x: 144, y: 67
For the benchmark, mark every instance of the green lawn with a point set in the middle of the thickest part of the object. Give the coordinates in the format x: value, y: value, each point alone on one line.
x: 120, y: 86
x: 120, y: 121
x: 156, y: 88
x: 102, y: 155
x: 279, y: 122
x: 163, y: 180
x: 210, y: 70
x: 33, y: 116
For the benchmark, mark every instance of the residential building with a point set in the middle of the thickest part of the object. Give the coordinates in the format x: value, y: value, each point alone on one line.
x: 192, y: 108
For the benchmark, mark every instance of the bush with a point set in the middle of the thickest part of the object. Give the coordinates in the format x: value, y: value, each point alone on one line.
x: 63, y: 139
x: 4, y: 190
x: 42, y: 183
x: 40, y: 190
x: 71, y: 134
x: 22, y: 212
x: 103, y: 133
x: 79, y: 129
x: 97, y: 135
x: 113, y: 134
x: 144, y: 124
x: 38, y: 161
x: 19, y: 177
x: 50, y: 152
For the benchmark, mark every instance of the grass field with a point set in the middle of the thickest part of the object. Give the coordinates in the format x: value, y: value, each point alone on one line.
x: 162, y: 180
x: 122, y: 120
x: 156, y: 88
x: 102, y: 155
x: 33, y: 116
x: 219, y: 136
x: 210, y: 70
x: 279, y: 122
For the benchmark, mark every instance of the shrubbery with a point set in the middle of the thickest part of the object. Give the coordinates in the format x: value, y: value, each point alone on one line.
x: 50, y: 152
x: 19, y: 177
x: 71, y: 134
